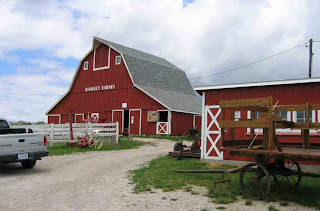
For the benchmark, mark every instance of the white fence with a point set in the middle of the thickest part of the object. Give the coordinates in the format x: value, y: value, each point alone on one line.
x: 62, y: 131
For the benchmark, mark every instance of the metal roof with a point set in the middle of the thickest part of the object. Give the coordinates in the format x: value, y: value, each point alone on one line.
x: 159, y: 79
x: 255, y: 84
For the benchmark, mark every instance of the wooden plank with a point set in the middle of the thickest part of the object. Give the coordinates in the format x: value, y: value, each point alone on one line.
x: 245, y: 124
x: 304, y: 125
x: 242, y: 142
x: 245, y: 103
x: 296, y: 107
x: 306, y: 138
x: 312, y: 154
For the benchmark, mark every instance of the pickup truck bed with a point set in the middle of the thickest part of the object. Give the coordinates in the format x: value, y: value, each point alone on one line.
x: 21, y: 145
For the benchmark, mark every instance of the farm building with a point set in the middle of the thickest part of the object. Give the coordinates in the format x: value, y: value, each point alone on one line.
x: 286, y: 92
x: 146, y: 94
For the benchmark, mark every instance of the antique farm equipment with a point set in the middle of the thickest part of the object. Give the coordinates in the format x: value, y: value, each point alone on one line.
x: 182, y: 150
x: 87, y: 141
x: 273, y: 160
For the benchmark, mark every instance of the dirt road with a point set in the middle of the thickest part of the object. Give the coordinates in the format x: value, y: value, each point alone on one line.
x: 94, y: 181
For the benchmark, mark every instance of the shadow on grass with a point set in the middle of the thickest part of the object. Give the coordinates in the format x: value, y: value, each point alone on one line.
x: 159, y: 175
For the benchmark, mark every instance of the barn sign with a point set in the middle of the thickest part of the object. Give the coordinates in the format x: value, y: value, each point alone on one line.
x: 153, y: 116
x: 98, y: 88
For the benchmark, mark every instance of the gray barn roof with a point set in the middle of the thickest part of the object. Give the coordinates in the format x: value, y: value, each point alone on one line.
x: 159, y: 78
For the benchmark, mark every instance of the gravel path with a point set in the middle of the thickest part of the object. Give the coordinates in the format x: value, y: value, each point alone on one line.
x: 98, y: 181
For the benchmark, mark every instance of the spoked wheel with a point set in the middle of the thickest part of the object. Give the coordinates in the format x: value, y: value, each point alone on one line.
x: 289, y: 173
x: 255, y: 181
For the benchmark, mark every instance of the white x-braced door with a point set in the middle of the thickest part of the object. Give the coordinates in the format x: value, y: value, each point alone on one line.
x: 212, y: 134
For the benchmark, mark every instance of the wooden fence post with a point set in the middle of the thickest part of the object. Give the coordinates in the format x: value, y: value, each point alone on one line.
x: 117, y: 132
x: 51, y: 134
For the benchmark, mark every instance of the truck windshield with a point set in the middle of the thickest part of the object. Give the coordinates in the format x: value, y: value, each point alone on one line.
x: 3, y: 124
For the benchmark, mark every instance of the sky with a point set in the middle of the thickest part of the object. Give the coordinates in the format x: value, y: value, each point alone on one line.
x: 41, y: 42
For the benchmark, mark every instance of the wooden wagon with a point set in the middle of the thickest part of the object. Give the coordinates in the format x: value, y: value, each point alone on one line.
x: 273, y: 160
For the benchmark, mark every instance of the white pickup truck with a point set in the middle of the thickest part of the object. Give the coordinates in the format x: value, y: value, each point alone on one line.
x: 21, y: 145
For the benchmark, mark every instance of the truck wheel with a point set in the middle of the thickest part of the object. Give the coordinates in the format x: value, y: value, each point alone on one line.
x: 28, y: 164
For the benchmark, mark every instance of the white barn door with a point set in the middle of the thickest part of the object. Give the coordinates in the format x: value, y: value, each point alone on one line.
x: 210, y: 141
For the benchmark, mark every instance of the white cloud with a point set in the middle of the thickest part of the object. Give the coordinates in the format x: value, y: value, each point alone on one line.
x: 202, y: 38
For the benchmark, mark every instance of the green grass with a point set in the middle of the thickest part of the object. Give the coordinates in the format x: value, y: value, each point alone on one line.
x: 248, y: 202
x: 159, y: 175
x: 166, y: 137
x: 63, y: 149
x: 272, y: 208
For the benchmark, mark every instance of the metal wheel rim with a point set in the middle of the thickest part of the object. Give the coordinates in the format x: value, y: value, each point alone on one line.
x: 255, y: 181
x: 290, y: 180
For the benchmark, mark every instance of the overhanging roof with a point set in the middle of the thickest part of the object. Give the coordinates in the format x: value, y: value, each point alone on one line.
x: 255, y: 84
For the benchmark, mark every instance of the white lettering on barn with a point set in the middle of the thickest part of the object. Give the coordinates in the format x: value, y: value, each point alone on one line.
x: 98, y: 88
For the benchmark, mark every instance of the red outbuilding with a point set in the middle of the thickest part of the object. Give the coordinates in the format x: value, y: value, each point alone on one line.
x: 287, y: 92
x: 146, y: 94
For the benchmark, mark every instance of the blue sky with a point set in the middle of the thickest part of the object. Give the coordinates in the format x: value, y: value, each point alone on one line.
x: 41, y: 42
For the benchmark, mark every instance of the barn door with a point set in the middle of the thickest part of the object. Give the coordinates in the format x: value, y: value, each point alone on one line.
x: 117, y: 116
x: 212, y: 134
x: 135, y: 122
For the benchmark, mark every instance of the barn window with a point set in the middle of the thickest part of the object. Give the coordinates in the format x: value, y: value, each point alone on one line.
x: 301, y: 116
x: 282, y: 114
x: 85, y: 65
x: 118, y: 60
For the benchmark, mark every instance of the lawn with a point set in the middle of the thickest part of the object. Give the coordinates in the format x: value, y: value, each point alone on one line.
x: 63, y: 149
x: 159, y: 175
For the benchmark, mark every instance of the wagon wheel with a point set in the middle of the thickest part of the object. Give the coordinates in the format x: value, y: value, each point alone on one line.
x: 177, y: 146
x: 290, y: 174
x: 255, y: 181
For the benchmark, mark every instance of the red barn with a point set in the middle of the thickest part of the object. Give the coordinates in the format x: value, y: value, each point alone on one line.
x: 146, y: 94
x: 288, y: 92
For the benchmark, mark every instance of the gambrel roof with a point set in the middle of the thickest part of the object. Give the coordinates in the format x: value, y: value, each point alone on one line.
x: 158, y: 78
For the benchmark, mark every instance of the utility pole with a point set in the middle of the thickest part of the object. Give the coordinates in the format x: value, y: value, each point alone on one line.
x: 310, y: 57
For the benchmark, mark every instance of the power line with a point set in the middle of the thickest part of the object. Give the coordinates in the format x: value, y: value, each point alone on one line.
x: 252, y: 63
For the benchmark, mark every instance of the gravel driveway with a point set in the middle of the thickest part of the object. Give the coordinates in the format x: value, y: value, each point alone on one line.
x: 97, y: 181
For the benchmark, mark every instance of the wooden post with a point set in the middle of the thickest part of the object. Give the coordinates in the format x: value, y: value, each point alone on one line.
x: 305, y: 132
x: 271, y: 131
x: 306, y: 138
x: 252, y: 135
x: 232, y: 129
x: 265, y: 138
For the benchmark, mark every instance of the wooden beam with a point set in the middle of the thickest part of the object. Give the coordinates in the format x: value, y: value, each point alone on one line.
x: 277, y: 143
x: 306, y: 138
x: 245, y: 103
x: 252, y: 134
x: 232, y: 129
x: 245, y: 124
x: 297, y: 107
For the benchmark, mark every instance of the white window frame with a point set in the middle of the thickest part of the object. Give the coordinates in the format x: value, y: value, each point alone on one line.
x: 94, y: 60
x: 85, y: 65
x: 117, y: 63
x: 58, y: 115
x: 75, y: 117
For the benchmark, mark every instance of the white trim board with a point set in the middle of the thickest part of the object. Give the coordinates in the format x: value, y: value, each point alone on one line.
x: 267, y: 83
x: 75, y: 117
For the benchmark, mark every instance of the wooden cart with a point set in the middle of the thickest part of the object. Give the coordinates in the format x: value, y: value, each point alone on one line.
x: 273, y: 160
